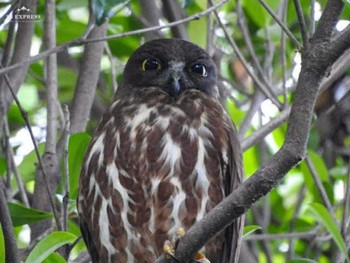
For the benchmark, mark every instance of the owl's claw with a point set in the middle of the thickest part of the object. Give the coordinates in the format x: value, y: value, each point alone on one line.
x: 170, y: 246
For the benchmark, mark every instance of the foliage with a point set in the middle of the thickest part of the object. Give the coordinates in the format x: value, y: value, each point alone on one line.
x: 296, y: 208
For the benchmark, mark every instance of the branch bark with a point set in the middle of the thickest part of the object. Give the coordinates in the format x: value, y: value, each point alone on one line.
x: 174, y: 12
x: 87, y: 81
x: 151, y: 13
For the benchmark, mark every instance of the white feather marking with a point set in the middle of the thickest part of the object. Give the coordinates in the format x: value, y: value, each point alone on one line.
x: 117, y: 142
x: 171, y: 152
x: 96, y: 148
x: 178, y: 199
x: 163, y: 122
x: 202, y: 180
x: 142, y: 114
x: 104, y: 228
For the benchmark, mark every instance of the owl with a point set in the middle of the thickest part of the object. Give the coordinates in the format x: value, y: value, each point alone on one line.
x: 163, y: 155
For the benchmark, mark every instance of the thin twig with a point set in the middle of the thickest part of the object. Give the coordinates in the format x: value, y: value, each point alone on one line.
x: 113, y: 66
x: 283, y: 53
x: 312, y: 17
x: 255, y: 104
x: 7, y: 228
x: 298, y: 206
x: 300, y: 235
x: 282, y: 25
x: 320, y: 187
x: 302, y: 24
x: 249, y: 44
x: 66, y: 170
x: 14, y: 168
x: 66, y: 194
x: 8, y: 12
x: 265, y: 130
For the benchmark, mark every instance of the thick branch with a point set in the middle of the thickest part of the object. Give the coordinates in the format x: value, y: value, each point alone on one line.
x: 328, y: 20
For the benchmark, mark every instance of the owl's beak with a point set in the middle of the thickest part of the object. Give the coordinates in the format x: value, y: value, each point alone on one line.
x: 176, y: 76
x: 174, y: 87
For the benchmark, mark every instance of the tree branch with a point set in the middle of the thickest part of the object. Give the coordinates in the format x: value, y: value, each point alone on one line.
x: 282, y: 25
x: 302, y: 23
x: 328, y: 20
x: 174, y: 12
x: 87, y: 80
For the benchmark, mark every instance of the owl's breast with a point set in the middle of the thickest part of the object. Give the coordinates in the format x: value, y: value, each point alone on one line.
x: 161, y: 167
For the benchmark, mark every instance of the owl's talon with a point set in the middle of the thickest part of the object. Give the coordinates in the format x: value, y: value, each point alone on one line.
x: 170, y: 247
x: 200, y: 258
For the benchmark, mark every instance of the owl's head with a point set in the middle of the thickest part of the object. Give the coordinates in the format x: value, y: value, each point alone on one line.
x: 173, y: 65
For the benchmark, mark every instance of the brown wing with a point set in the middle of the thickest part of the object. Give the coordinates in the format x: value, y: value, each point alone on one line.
x: 233, y: 178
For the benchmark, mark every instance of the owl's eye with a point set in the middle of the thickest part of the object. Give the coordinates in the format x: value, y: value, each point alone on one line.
x: 199, y: 69
x: 150, y: 64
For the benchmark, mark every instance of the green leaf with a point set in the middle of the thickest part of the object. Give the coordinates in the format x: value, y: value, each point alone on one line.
x: 54, y: 258
x: 27, y: 167
x: 48, y: 245
x: 322, y: 215
x: 256, y: 12
x: 320, y: 166
x: 28, y: 96
x: 251, y: 160
x: 249, y: 230
x: 236, y: 115
x: 21, y: 215
x: 198, y: 37
x: 322, y: 172
x: 104, y: 9
x: 77, y: 146
x: 68, y: 29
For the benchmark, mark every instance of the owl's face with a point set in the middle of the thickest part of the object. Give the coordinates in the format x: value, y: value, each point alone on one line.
x: 172, y: 65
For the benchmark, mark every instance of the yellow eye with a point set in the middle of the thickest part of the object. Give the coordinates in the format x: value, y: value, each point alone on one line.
x: 150, y: 64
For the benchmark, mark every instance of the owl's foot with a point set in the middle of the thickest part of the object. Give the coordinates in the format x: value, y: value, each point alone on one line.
x: 170, y: 246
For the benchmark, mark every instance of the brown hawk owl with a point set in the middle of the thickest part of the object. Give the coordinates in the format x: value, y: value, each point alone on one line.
x: 164, y: 154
